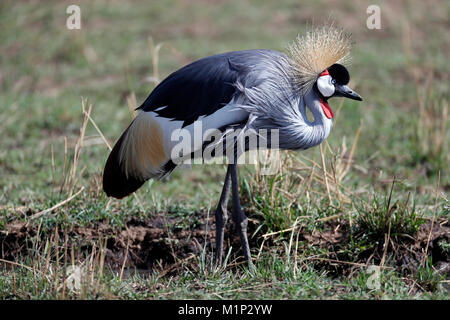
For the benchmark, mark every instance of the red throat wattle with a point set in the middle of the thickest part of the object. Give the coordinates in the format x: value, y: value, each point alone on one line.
x: 326, y: 109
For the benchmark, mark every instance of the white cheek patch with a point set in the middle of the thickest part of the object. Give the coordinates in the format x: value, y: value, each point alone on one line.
x: 325, y: 86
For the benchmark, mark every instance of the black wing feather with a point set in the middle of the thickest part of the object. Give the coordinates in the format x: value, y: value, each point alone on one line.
x: 200, y: 88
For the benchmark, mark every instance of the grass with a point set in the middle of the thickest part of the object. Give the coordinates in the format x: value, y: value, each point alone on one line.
x: 380, y: 217
x: 317, y: 225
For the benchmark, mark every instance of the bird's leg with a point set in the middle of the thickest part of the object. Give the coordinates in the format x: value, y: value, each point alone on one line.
x: 239, y: 218
x: 222, y: 216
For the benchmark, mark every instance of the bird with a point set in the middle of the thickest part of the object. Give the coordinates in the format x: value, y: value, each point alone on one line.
x: 256, y: 89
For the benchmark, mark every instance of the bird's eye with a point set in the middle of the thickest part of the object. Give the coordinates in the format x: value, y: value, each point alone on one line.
x: 333, y: 81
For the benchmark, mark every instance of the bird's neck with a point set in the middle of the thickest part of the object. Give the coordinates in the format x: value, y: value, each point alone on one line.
x: 319, y: 129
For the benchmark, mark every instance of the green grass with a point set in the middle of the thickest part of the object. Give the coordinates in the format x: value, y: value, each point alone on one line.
x: 380, y: 217
x: 401, y: 71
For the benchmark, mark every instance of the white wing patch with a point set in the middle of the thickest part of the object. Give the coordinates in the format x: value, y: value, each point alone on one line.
x: 190, y: 138
x: 150, y: 139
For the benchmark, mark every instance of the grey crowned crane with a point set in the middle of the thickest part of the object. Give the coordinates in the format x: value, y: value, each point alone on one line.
x: 252, y: 89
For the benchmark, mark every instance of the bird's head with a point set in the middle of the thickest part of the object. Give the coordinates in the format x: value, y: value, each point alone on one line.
x: 333, y: 83
x: 317, y: 62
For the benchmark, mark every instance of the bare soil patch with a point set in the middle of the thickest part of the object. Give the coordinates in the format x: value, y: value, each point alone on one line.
x: 159, y: 241
x: 348, y: 251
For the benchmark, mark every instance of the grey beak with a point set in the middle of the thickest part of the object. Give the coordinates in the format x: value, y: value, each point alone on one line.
x: 346, y: 92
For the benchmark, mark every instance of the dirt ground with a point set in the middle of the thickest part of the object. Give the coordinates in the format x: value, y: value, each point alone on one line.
x: 158, y: 242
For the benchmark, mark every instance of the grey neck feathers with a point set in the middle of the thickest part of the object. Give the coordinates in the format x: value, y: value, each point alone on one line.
x: 269, y: 95
x: 317, y: 131
x: 290, y: 119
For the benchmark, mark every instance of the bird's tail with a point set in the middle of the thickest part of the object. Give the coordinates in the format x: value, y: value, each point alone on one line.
x: 137, y: 156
